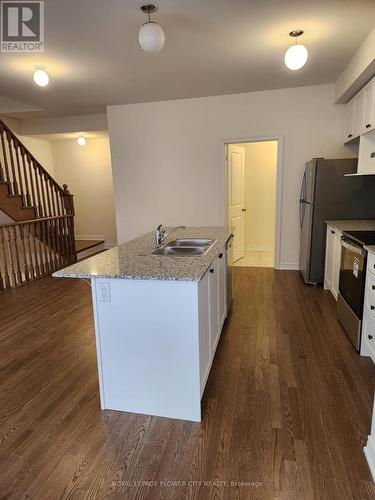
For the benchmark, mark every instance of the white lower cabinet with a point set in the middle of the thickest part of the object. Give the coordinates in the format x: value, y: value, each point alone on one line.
x: 212, y: 312
x: 221, y: 272
x: 368, y: 326
x: 214, y: 304
x: 332, y: 260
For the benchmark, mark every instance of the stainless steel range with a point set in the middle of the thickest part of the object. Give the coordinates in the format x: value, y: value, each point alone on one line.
x: 352, y: 282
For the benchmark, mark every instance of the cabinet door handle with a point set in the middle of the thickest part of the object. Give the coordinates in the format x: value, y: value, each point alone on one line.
x: 220, y: 255
x: 212, y: 271
x: 373, y: 287
x: 368, y: 125
x: 372, y: 308
x: 350, y: 135
x: 370, y: 337
x: 333, y: 232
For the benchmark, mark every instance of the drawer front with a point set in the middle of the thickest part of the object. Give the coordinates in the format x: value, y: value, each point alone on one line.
x: 369, y: 308
x: 368, y: 331
x: 370, y: 286
x: 371, y: 262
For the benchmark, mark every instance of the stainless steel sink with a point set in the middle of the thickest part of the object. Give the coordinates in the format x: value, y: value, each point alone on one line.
x: 191, y: 242
x: 179, y: 251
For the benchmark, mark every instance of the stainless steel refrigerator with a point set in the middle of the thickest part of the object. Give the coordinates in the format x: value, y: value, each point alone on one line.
x: 326, y: 194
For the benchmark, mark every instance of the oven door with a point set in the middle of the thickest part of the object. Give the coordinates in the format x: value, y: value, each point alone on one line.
x: 352, y: 275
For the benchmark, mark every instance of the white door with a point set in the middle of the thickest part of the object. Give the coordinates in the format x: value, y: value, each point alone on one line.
x: 236, y: 196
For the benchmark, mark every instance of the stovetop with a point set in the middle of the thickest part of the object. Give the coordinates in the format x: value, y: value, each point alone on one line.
x: 362, y: 237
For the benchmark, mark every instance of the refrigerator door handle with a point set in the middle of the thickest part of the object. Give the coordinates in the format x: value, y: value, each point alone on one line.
x: 302, y: 194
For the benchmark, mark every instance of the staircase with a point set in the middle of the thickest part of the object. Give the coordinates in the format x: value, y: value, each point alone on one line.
x: 41, y: 240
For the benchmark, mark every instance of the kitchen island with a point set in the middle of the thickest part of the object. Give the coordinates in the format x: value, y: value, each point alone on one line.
x: 158, y: 321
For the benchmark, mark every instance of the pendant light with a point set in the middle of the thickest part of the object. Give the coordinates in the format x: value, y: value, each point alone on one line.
x: 40, y: 76
x: 151, y: 35
x: 296, y: 56
x: 81, y: 140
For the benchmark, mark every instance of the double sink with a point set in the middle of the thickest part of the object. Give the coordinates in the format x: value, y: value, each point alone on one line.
x: 184, y: 247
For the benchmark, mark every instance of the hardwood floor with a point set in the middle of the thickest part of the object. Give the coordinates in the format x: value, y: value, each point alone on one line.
x: 287, y: 406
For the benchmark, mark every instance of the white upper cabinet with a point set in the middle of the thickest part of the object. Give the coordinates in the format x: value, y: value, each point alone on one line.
x: 369, y: 106
x: 349, y: 120
x: 360, y: 112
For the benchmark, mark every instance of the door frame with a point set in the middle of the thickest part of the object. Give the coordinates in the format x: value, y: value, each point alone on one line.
x: 279, y: 182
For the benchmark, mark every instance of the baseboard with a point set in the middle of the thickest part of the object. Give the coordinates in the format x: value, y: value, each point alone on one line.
x: 83, y: 254
x: 259, y: 248
x: 288, y: 266
x: 107, y: 246
x: 84, y: 237
x: 369, y: 451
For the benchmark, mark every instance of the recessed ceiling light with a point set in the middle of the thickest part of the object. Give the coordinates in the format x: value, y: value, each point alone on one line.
x: 296, y: 56
x: 81, y: 140
x: 41, y: 78
x: 151, y: 35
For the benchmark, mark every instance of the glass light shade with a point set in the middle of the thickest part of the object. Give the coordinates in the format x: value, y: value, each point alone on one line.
x: 41, y: 78
x: 81, y: 141
x: 296, y: 57
x: 151, y: 37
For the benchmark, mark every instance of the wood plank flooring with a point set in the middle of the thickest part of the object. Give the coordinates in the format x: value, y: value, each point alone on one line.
x: 287, y: 407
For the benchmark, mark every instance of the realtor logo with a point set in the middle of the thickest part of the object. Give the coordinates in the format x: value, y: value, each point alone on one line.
x: 22, y: 26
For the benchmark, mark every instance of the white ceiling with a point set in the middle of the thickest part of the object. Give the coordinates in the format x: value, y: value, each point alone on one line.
x: 212, y: 47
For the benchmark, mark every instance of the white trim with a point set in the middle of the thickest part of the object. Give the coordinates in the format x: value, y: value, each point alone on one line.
x: 279, y: 185
x: 289, y: 266
x: 259, y: 248
x: 89, y: 237
x: 369, y: 451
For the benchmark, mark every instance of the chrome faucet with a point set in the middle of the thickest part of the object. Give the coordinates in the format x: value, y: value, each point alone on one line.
x: 161, y: 234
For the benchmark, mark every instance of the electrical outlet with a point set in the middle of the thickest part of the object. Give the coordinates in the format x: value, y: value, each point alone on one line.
x: 104, y: 292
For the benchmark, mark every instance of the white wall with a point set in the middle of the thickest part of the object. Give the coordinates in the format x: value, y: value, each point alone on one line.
x: 5, y: 219
x: 87, y: 171
x: 166, y: 156
x: 41, y: 150
x: 260, y: 194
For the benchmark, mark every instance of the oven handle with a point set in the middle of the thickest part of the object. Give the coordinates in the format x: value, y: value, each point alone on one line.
x: 348, y: 244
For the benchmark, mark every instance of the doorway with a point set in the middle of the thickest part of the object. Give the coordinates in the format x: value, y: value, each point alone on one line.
x: 252, y: 201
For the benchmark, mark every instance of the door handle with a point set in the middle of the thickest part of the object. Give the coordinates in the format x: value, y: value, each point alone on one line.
x: 244, y: 210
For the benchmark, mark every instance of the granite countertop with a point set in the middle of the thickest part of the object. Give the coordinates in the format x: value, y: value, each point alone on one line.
x: 352, y: 225
x: 134, y: 260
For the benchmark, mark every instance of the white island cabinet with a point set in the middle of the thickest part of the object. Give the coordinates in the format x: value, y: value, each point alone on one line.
x: 158, y: 321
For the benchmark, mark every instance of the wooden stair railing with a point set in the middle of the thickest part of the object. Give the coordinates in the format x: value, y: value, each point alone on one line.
x: 35, y: 248
x: 28, y: 180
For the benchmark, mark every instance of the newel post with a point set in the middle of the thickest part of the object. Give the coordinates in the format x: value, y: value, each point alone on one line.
x: 68, y: 200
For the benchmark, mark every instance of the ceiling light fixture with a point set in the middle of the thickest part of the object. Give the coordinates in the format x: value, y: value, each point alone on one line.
x: 296, y: 56
x: 151, y: 35
x: 40, y: 76
x: 81, y: 140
